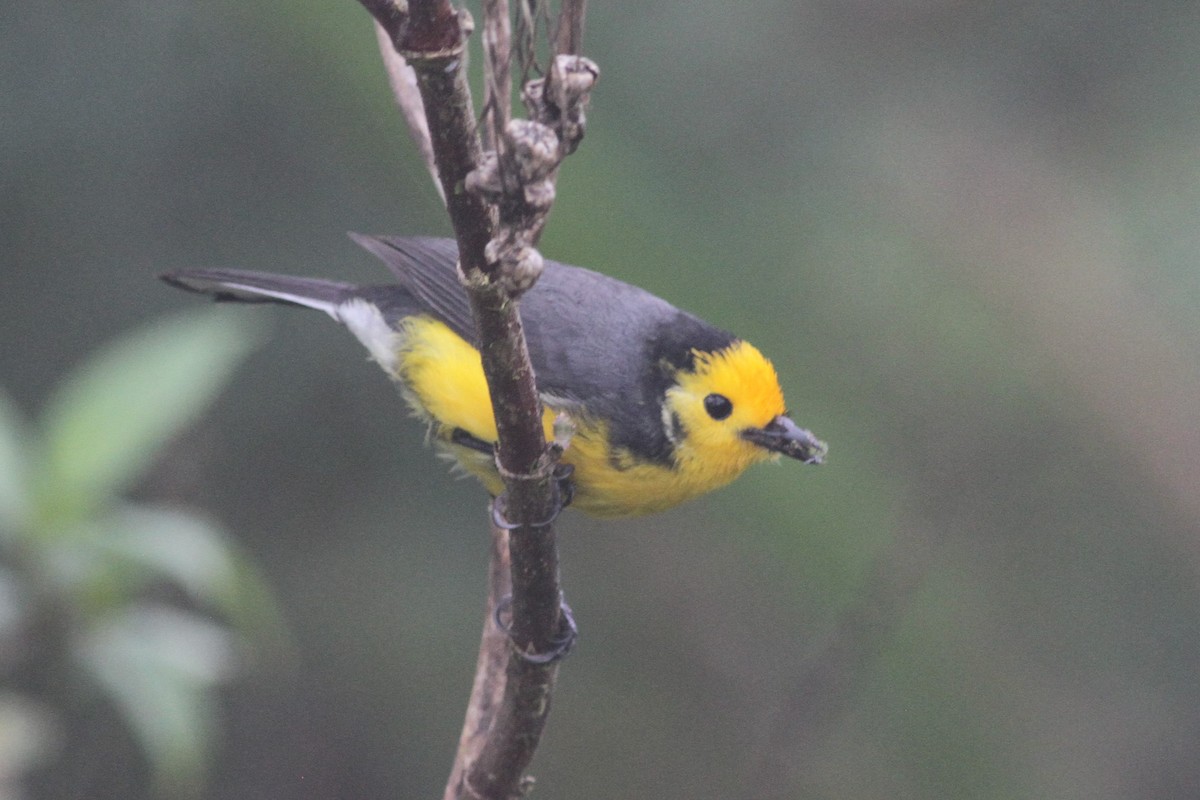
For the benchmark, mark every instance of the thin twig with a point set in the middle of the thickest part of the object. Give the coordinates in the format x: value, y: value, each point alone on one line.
x: 487, y: 693
x: 404, y: 88
x: 497, y: 68
x: 531, y: 14
x: 569, y: 36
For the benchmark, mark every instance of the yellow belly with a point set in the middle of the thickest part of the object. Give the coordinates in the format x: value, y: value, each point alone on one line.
x: 443, y: 380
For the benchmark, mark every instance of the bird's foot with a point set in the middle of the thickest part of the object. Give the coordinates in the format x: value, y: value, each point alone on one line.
x: 564, y: 492
x: 560, y: 645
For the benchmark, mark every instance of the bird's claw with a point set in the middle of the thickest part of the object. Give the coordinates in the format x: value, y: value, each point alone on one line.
x: 561, y: 645
x: 564, y: 493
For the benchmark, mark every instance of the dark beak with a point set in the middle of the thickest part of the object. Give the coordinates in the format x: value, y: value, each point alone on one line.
x: 781, y: 435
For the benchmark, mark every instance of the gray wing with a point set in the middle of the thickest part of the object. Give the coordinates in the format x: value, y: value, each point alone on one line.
x: 587, y: 332
x: 427, y: 268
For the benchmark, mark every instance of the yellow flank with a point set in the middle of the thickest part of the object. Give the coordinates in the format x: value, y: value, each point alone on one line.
x: 443, y: 379
x: 442, y: 375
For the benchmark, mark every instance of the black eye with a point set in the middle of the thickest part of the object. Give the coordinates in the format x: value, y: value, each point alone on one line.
x: 718, y: 406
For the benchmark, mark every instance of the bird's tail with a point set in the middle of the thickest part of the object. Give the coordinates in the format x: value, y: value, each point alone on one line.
x: 370, y: 312
x: 260, y: 287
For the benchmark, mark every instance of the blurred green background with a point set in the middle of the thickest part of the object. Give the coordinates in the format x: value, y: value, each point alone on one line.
x: 967, y: 235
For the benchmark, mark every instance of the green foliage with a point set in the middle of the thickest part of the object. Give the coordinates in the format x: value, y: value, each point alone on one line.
x: 146, y: 604
x: 14, y: 490
x: 109, y: 417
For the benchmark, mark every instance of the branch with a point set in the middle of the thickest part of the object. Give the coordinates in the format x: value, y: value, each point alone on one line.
x: 498, y: 203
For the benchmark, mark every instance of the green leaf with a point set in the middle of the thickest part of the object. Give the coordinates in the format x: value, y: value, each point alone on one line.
x: 29, y: 737
x: 200, y: 558
x: 110, y: 416
x: 159, y: 666
x: 15, y: 502
x: 16, y: 604
x: 176, y: 546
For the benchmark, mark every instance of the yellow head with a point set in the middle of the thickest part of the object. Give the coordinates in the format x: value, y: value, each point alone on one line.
x: 709, y: 407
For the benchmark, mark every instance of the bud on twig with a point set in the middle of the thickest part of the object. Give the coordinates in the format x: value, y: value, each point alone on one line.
x: 517, y: 265
x: 559, y: 99
x: 532, y: 149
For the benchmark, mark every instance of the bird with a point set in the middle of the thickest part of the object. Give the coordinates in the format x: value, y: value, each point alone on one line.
x: 662, y: 407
